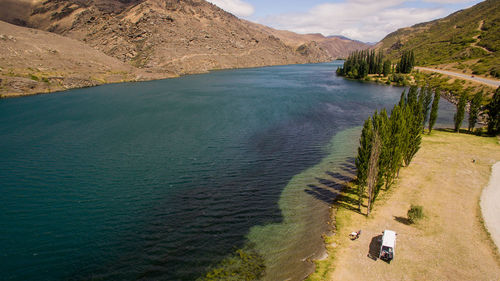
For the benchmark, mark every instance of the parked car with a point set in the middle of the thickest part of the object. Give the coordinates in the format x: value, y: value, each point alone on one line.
x: 388, y: 245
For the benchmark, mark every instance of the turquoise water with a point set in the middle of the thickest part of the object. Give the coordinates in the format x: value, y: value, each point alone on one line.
x: 161, y: 180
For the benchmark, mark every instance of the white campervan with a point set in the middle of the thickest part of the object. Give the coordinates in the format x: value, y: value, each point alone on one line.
x: 388, y: 247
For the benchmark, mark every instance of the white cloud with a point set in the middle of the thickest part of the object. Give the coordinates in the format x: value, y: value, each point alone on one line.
x: 364, y: 20
x: 236, y: 7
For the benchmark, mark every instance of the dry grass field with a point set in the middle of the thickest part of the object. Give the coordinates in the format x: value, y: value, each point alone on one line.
x: 449, y: 243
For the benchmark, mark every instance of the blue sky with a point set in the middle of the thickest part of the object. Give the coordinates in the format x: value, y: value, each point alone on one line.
x: 365, y: 20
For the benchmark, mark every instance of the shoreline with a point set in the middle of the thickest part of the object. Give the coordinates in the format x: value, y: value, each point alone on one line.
x: 306, y: 215
x: 140, y: 78
x: 490, y: 207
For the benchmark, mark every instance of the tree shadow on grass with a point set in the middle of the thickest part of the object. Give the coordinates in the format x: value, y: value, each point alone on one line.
x: 402, y: 220
x: 374, y: 250
x: 462, y: 131
x: 348, y: 203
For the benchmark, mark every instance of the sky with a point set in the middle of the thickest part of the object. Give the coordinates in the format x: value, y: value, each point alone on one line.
x: 364, y: 20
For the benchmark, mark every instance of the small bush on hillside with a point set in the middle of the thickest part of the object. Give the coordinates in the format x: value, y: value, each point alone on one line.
x: 415, y: 213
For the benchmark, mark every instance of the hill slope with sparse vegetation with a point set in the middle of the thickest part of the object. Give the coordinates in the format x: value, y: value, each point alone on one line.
x: 467, y: 40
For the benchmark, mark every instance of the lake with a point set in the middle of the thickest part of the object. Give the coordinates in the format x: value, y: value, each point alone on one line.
x: 163, y: 180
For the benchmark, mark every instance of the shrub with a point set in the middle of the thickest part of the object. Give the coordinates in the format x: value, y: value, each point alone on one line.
x: 415, y: 213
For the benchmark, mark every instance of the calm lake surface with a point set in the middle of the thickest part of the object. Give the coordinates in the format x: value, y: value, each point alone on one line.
x: 161, y: 180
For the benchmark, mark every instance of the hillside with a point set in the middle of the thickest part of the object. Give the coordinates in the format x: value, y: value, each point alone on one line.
x: 467, y: 40
x: 35, y: 61
x: 151, y: 38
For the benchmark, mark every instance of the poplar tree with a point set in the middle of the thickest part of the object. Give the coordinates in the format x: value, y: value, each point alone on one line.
x: 459, y: 116
x: 493, y: 110
x: 475, y: 105
x: 434, y: 110
x: 414, y: 119
x: 406, y: 62
x: 373, y: 166
x: 394, y: 156
x: 386, y: 68
x: 408, y: 117
x: 362, y: 159
x: 380, y: 125
x: 380, y: 63
x: 426, y: 104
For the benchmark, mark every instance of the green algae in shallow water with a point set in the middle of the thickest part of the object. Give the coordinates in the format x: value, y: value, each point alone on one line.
x: 275, y: 250
x: 244, y: 264
x: 290, y: 247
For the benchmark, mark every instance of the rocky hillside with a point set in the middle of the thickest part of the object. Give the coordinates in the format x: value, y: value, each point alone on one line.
x: 35, y: 61
x: 151, y: 38
x: 468, y: 40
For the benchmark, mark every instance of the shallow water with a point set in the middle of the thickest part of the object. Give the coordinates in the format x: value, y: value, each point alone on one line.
x: 162, y: 179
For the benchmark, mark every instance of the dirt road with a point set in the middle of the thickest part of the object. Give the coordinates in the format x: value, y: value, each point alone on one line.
x: 489, y: 204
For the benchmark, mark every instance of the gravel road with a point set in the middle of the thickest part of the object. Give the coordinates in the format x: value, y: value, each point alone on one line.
x: 490, y: 82
x: 490, y: 206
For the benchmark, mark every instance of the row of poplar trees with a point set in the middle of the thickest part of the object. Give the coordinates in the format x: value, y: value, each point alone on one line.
x: 389, y: 143
x: 361, y: 63
x: 406, y: 63
x: 492, y: 111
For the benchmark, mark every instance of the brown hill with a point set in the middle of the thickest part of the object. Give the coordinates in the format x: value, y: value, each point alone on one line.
x: 150, y: 38
x: 163, y: 37
x: 35, y: 61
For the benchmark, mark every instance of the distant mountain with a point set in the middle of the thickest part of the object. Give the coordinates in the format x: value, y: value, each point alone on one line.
x: 347, y: 38
x: 335, y: 46
x: 467, y: 40
x: 157, y: 38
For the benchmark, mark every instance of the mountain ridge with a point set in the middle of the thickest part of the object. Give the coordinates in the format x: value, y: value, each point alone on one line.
x: 163, y: 38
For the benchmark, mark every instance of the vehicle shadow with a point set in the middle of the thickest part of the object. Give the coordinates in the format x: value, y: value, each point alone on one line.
x: 374, y: 250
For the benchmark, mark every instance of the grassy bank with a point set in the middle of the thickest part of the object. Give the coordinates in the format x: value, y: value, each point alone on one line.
x: 450, y: 243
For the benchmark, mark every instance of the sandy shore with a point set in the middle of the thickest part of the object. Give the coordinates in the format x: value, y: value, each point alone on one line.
x: 490, y: 206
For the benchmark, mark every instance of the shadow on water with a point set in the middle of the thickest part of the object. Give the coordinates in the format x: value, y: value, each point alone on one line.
x: 336, y: 190
x: 374, y: 250
x: 341, y: 177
